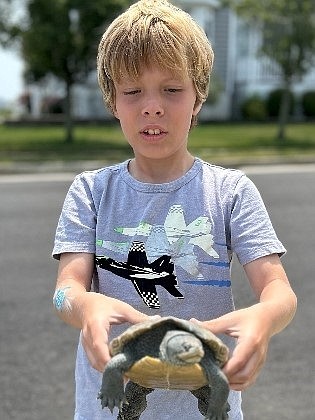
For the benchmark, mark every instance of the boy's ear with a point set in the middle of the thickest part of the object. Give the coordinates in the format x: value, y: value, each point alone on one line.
x: 197, y: 107
x: 115, y: 113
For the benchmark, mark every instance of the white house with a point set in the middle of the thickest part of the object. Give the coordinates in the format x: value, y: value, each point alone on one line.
x: 239, y: 69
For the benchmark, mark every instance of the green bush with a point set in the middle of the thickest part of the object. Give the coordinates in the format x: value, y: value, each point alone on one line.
x: 274, y: 100
x: 254, y: 109
x: 308, y: 103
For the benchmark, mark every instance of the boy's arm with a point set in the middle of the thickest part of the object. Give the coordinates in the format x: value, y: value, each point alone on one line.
x: 91, y: 312
x: 254, y: 326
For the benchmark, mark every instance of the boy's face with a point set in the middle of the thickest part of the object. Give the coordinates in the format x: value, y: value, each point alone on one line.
x: 155, y: 112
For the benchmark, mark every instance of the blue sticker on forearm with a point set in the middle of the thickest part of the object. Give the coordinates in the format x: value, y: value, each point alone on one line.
x: 61, y: 301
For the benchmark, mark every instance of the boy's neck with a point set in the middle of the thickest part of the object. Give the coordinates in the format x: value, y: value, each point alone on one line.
x: 159, y: 172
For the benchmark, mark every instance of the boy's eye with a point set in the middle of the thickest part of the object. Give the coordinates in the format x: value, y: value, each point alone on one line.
x: 132, y: 92
x: 173, y: 90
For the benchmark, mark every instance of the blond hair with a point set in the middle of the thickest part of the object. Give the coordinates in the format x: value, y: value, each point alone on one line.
x: 154, y: 32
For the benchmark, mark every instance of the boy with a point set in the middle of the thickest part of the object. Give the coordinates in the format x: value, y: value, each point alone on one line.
x: 168, y: 207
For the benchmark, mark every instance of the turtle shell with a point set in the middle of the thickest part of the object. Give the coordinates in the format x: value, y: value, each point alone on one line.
x: 151, y: 372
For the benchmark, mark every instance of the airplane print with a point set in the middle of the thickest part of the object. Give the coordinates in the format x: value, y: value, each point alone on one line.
x: 157, y: 253
x: 175, y: 238
x: 144, y: 276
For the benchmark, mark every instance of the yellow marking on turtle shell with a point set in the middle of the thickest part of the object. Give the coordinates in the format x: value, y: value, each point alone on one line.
x: 168, y: 377
x: 153, y: 373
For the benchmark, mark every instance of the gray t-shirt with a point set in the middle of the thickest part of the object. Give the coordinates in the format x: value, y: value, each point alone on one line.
x: 165, y: 249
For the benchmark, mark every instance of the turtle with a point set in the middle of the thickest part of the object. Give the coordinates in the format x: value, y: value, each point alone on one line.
x: 167, y: 353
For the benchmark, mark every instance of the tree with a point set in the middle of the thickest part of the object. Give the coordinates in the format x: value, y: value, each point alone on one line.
x: 61, y: 38
x: 288, y: 28
x: 9, y: 27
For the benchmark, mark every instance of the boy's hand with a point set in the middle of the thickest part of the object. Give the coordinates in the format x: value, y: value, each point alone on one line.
x: 100, y: 312
x: 252, y: 339
x: 254, y: 326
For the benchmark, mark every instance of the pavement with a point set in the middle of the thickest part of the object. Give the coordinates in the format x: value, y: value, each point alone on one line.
x: 37, y: 350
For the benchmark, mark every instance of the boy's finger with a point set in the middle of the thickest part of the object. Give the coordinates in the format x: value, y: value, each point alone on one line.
x: 243, y: 367
x: 216, y: 326
x: 98, y: 355
x: 135, y: 317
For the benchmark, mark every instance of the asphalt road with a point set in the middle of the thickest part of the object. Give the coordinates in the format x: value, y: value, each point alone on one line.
x: 37, y: 351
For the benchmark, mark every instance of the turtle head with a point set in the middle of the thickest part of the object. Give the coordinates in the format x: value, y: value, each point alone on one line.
x: 181, y: 348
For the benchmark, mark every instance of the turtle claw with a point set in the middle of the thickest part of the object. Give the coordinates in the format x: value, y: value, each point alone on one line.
x: 211, y: 409
x: 110, y: 402
x: 112, y: 393
x: 112, y: 390
x: 218, y: 415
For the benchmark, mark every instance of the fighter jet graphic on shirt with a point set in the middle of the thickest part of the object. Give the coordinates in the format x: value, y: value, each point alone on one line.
x: 175, y: 237
x: 144, y: 276
x: 197, y: 233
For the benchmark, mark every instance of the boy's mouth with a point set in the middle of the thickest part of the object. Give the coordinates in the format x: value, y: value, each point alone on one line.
x: 152, y: 132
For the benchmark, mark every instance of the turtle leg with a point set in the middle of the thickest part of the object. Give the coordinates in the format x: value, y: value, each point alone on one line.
x: 135, y: 401
x: 218, y: 390
x: 112, y: 390
x: 203, y: 397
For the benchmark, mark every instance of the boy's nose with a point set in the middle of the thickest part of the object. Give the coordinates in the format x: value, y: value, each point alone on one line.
x: 152, y: 108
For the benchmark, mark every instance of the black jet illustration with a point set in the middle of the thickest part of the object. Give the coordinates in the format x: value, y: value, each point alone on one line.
x: 145, y: 276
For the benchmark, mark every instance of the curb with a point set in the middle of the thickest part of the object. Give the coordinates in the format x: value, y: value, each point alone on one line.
x: 16, y: 167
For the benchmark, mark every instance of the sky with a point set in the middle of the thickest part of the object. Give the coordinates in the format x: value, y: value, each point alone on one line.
x: 11, y: 69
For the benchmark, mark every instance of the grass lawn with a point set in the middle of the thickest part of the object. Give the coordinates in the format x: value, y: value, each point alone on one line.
x: 106, y: 142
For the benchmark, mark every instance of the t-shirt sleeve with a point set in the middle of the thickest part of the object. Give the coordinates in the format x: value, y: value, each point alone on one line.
x: 252, y: 233
x: 76, y: 227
